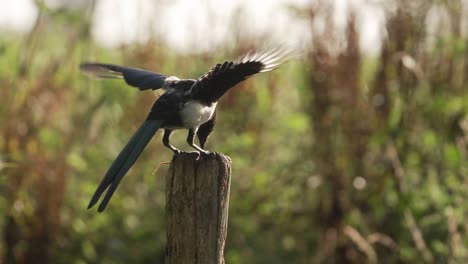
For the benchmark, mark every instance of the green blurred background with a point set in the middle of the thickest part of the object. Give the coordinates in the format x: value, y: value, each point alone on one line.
x: 343, y: 155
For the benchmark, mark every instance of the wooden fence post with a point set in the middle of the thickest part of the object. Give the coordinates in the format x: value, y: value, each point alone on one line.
x: 197, y: 193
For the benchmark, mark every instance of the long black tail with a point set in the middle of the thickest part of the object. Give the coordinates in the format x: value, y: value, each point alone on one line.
x: 124, y: 161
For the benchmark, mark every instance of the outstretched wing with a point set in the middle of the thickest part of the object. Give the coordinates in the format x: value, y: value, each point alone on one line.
x: 219, y: 79
x: 139, y: 78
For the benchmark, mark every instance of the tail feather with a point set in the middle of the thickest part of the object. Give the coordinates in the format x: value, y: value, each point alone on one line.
x: 123, y: 162
x: 112, y: 171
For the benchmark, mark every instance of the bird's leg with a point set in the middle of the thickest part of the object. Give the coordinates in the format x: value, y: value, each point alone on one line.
x: 167, y: 133
x: 191, y: 139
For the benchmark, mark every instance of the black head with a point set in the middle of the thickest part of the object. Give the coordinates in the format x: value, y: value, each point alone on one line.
x: 205, y: 130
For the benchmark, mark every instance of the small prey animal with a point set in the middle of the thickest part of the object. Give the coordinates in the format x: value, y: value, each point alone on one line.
x: 186, y: 104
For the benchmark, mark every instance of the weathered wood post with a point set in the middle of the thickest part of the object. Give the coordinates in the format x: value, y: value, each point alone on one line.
x: 197, y: 193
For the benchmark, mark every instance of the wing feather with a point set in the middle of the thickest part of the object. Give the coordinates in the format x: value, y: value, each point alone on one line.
x: 139, y: 78
x: 219, y: 79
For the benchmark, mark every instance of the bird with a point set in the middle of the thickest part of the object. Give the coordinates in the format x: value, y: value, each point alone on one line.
x: 186, y: 104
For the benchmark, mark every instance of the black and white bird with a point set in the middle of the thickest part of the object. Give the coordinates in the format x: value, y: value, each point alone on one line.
x: 186, y: 104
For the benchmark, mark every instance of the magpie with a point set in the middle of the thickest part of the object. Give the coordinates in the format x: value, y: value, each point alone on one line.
x: 185, y: 104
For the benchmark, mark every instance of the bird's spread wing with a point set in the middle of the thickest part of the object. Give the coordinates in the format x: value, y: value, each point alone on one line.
x: 139, y: 78
x: 123, y: 162
x: 219, y: 79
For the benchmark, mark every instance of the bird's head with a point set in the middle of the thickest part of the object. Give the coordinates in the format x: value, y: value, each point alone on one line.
x: 170, y: 82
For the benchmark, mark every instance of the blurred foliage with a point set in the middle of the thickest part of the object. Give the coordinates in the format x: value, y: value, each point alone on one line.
x: 338, y: 157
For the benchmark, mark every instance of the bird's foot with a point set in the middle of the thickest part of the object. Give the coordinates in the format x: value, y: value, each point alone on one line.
x: 203, y: 154
x: 176, y: 151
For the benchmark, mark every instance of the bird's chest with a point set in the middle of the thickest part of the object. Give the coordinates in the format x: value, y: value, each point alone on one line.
x: 194, y: 113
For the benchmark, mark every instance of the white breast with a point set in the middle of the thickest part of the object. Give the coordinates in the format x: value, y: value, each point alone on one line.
x: 194, y: 114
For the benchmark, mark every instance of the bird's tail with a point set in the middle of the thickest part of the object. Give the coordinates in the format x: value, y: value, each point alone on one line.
x: 124, y: 161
